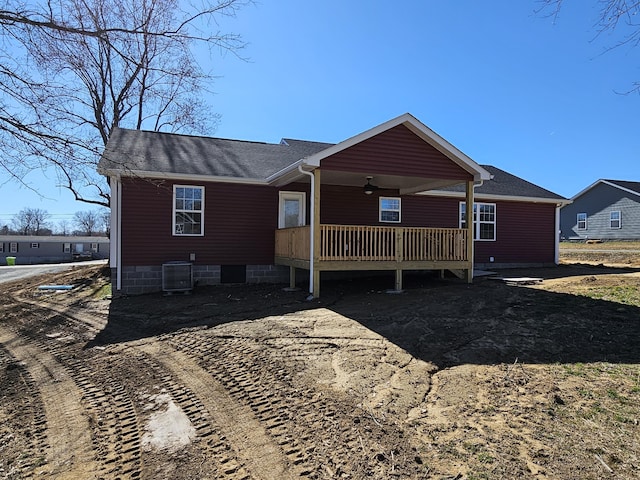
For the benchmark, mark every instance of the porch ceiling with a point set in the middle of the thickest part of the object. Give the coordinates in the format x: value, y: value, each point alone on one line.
x: 404, y: 184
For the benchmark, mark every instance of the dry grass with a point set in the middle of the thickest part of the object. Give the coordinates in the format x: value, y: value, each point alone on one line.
x: 609, y: 245
x: 626, y: 254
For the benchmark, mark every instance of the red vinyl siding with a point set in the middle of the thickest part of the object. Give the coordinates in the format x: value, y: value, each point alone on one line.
x: 422, y: 211
x: 240, y: 221
x: 239, y: 224
x: 397, y: 151
x: 525, y: 233
x: 349, y: 206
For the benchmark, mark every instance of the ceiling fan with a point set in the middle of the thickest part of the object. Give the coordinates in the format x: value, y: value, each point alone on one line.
x: 369, y: 188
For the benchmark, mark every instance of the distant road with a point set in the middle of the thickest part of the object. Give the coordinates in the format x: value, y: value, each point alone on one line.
x: 17, y: 272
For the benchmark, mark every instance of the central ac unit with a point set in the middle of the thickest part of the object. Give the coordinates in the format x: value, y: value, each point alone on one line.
x: 177, y: 277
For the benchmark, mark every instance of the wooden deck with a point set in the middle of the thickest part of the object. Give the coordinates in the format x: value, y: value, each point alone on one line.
x: 357, y: 247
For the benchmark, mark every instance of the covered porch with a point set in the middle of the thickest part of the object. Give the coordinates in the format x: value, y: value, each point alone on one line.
x: 356, y: 247
x: 319, y: 247
x: 364, y: 211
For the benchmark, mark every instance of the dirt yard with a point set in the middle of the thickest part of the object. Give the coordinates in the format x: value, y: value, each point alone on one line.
x: 445, y: 381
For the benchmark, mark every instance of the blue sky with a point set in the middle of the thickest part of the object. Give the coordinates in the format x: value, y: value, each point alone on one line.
x: 509, y: 87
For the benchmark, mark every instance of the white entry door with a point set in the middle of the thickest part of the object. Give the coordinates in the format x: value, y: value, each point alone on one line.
x: 292, y: 209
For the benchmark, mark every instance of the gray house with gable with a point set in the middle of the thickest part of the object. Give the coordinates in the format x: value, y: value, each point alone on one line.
x: 605, y: 210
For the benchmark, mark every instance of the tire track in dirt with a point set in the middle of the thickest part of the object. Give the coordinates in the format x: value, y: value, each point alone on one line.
x: 61, y: 428
x: 249, y: 388
x: 97, y: 420
x: 272, y: 425
x: 315, y: 432
x: 118, y: 442
x: 270, y: 464
x: 237, y: 441
x: 28, y: 402
x: 92, y: 322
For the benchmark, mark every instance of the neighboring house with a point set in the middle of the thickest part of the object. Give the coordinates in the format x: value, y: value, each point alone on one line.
x: 605, y: 210
x: 391, y: 198
x: 33, y: 249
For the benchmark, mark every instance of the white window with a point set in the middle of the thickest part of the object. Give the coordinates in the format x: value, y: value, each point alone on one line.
x: 94, y: 247
x: 35, y: 245
x: 66, y: 248
x: 13, y: 247
x: 188, y: 210
x: 390, y: 209
x: 615, y: 219
x: 582, y: 221
x: 484, y: 220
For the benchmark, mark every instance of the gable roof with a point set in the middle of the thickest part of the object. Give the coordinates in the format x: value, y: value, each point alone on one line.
x: 633, y: 187
x: 159, y: 154
x: 166, y: 155
x: 504, y: 185
x: 421, y: 131
x: 627, y: 186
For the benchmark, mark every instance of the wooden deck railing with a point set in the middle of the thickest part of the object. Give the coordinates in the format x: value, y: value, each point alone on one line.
x: 369, y: 243
x: 293, y: 242
x: 434, y: 244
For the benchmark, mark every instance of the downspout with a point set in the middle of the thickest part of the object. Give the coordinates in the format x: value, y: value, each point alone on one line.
x: 116, y: 230
x: 119, y: 208
x: 312, y: 223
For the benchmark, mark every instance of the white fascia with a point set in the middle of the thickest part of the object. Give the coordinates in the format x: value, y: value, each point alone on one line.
x: 611, y: 184
x: 290, y: 173
x: 506, y: 198
x: 186, y: 177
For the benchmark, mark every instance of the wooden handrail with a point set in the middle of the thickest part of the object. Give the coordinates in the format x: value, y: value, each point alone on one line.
x: 375, y: 243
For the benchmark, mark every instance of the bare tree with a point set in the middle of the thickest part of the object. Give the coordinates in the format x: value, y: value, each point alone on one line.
x: 620, y: 15
x: 105, y: 222
x: 73, y: 70
x: 87, y: 222
x: 63, y: 227
x: 31, y: 221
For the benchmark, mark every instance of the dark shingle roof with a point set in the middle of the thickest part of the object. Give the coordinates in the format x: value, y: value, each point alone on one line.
x: 146, y: 151
x: 139, y: 150
x: 307, y: 147
x: 633, y: 186
x: 505, y: 184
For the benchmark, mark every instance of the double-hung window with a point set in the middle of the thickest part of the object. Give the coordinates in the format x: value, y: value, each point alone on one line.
x: 484, y: 220
x: 582, y: 221
x: 188, y: 210
x: 615, y: 219
x: 390, y: 209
